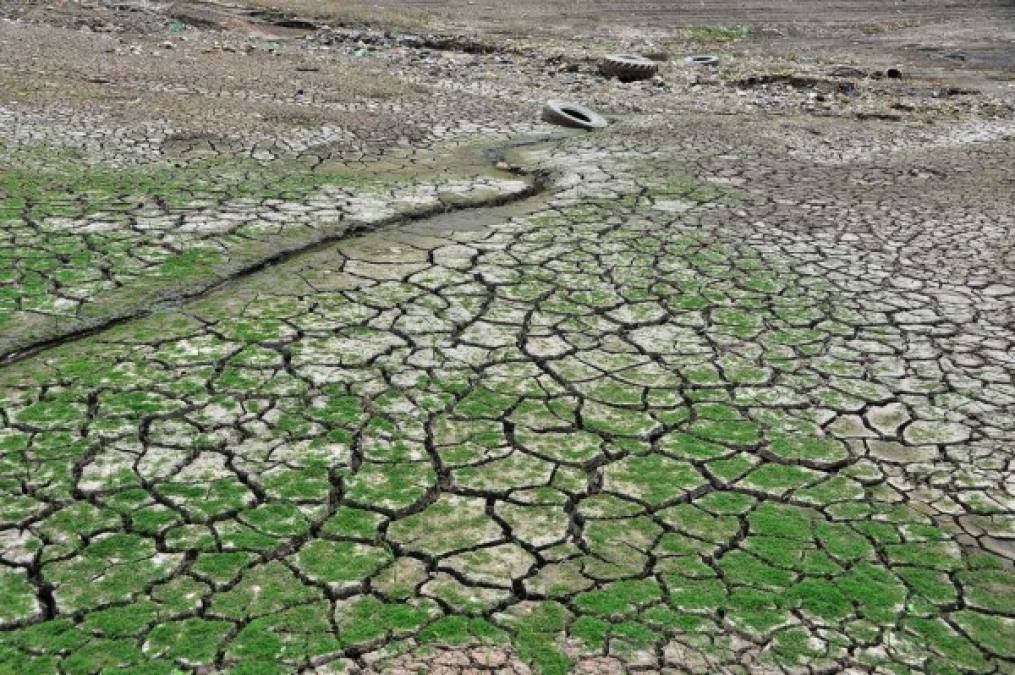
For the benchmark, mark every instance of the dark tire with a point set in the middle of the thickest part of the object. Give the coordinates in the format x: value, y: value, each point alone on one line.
x: 628, y: 67
x: 566, y: 114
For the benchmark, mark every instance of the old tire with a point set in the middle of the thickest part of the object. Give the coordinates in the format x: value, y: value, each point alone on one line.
x: 628, y: 67
x: 574, y: 115
x: 702, y: 59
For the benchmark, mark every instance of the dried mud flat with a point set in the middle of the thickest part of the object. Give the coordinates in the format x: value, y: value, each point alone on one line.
x: 321, y: 353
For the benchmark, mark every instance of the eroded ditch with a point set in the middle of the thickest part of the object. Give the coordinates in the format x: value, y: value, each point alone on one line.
x: 475, y: 210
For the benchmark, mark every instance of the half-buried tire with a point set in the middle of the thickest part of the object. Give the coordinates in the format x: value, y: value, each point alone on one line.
x: 572, y: 115
x: 628, y: 67
x: 702, y: 59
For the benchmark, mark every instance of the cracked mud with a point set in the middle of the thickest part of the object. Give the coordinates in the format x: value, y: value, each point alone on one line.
x: 671, y: 397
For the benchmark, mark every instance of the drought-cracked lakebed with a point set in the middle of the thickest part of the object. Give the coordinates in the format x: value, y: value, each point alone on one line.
x: 699, y: 401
